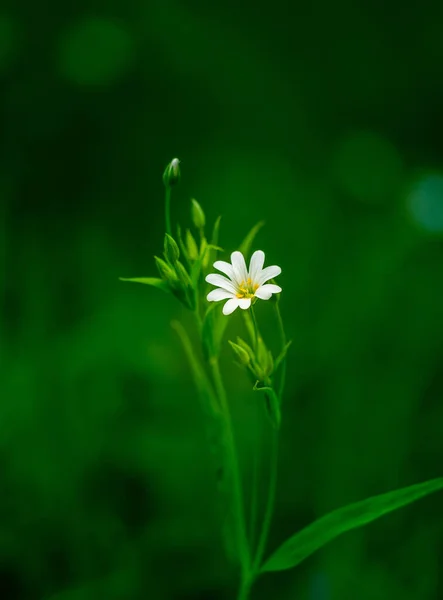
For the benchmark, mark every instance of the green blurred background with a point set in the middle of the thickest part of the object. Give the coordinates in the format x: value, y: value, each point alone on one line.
x: 325, y: 120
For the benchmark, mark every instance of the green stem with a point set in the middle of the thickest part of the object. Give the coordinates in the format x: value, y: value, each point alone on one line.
x: 168, y: 209
x: 281, y: 329
x: 236, y: 479
x: 245, y: 588
x: 255, y: 481
x: 254, y: 320
x: 274, y: 463
x: 269, y: 505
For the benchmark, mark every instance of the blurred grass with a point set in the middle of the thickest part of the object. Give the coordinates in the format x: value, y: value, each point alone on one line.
x: 318, y: 122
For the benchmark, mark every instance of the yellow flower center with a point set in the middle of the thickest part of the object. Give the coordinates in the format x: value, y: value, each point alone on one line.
x: 247, y: 289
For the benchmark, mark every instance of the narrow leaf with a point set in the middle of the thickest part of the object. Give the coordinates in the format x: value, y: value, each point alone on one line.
x: 282, y: 355
x: 216, y: 231
x: 161, y: 284
x: 214, y: 241
x: 245, y: 246
x: 306, y: 542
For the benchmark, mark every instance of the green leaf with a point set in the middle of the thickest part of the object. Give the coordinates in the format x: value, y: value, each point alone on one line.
x: 214, y: 241
x: 315, y: 536
x: 207, y: 395
x: 245, y: 246
x: 282, y: 355
x: 216, y: 231
x: 161, y: 284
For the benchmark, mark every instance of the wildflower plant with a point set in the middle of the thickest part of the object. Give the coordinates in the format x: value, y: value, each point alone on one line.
x: 187, y: 266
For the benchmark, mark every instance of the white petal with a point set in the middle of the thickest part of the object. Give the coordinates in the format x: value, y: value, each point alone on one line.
x: 256, y: 264
x: 239, y: 265
x: 221, y: 281
x: 230, y: 306
x: 268, y: 273
x: 264, y: 292
x: 225, y: 268
x: 244, y: 303
x: 218, y: 294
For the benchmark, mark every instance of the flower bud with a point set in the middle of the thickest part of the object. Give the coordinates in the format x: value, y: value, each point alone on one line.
x: 186, y: 285
x: 264, y: 357
x: 183, y: 275
x: 172, y: 253
x: 166, y: 272
x: 240, y: 353
x: 198, y: 216
x: 191, y: 246
x: 171, y: 175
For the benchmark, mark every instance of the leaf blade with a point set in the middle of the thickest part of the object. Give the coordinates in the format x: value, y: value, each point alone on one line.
x: 245, y: 246
x: 161, y: 284
x: 304, y: 543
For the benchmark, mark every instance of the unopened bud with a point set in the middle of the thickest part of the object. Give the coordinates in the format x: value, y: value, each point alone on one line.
x: 241, y: 354
x: 171, y: 175
x: 186, y: 285
x: 198, y: 216
x: 246, y: 347
x: 183, y: 275
x: 264, y: 357
x: 191, y: 246
x: 172, y: 253
x: 165, y: 270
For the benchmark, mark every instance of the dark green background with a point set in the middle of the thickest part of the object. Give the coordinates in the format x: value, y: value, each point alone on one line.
x: 325, y: 120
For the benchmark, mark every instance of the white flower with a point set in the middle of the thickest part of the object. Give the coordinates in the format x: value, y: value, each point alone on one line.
x: 241, y: 286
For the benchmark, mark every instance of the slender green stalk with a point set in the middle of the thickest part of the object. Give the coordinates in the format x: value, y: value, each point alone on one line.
x: 274, y: 462
x: 255, y: 481
x: 245, y: 588
x: 236, y: 479
x: 256, y: 334
x: 168, y: 209
x: 281, y: 329
x: 269, y: 505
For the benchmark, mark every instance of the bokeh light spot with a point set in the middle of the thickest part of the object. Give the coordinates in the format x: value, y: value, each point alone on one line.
x: 368, y: 167
x: 425, y: 202
x: 8, y: 41
x: 95, y: 52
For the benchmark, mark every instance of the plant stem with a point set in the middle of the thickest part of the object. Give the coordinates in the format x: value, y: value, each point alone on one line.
x: 255, y: 481
x: 274, y: 463
x: 281, y: 328
x: 269, y: 505
x: 254, y: 320
x: 242, y: 540
x: 168, y: 209
x: 245, y: 588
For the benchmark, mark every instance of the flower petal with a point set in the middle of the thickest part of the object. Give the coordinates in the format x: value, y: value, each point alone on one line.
x: 268, y: 273
x: 225, y: 268
x: 218, y: 294
x: 256, y: 264
x: 264, y: 292
x: 239, y: 266
x: 244, y: 303
x: 221, y: 281
x: 230, y: 306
